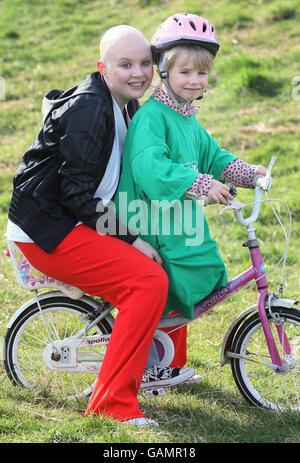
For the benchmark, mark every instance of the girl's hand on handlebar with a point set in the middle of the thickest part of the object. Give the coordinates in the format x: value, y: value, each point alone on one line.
x: 147, y: 249
x: 218, y: 192
x: 260, y: 170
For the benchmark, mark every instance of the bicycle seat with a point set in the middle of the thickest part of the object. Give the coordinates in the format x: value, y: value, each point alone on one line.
x: 32, y: 279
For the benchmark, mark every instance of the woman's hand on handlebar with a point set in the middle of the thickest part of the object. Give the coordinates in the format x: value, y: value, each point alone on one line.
x: 147, y: 249
x: 218, y: 192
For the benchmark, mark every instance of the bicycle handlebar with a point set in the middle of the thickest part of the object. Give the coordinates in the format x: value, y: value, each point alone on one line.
x: 262, y: 183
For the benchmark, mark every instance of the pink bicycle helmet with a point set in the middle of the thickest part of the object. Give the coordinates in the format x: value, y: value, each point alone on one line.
x: 184, y: 29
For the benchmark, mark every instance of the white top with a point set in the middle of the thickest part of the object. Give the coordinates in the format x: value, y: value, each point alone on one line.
x: 109, y: 182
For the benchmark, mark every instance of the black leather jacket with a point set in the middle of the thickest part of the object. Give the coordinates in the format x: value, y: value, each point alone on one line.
x: 56, y: 180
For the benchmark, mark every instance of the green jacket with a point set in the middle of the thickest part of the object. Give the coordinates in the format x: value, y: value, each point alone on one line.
x: 164, y: 152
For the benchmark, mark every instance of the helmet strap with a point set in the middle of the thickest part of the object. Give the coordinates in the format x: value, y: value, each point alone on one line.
x: 180, y: 102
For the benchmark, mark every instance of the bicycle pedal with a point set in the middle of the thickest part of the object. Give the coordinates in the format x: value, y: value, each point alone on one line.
x: 152, y: 393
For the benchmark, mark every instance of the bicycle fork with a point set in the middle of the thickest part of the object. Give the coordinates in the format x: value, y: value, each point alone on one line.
x: 263, y: 301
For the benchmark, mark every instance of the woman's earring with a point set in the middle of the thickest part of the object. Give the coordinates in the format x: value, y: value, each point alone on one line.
x: 101, y: 68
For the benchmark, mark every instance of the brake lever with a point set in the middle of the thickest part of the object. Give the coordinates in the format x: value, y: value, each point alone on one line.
x: 234, y: 205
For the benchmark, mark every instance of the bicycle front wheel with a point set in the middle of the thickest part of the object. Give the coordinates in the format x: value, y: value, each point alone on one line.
x: 27, y: 341
x: 254, y: 375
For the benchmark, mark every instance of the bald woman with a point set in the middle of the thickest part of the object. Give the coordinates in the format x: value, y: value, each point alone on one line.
x: 71, y: 171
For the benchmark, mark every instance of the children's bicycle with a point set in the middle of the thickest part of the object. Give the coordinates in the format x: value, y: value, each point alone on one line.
x: 57, y: 340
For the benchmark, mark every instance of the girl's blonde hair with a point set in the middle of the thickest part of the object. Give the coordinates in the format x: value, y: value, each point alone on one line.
x: 201, y: 58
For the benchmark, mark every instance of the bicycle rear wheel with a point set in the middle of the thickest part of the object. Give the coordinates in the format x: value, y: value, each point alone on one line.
x: 260, y: 384
x: 27, y: 339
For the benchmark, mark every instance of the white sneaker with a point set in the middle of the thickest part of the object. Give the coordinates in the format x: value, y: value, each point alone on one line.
x: 141, y: 422
x: 156, y: 376
x: 194, y: 379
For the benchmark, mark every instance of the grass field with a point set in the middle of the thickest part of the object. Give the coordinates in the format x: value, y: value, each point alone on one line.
x: 252, y: 108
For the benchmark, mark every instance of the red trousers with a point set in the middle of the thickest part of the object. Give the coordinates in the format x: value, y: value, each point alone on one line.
x: 105, y: 266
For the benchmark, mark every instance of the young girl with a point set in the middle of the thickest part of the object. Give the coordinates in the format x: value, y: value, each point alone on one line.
x: 169, y: 157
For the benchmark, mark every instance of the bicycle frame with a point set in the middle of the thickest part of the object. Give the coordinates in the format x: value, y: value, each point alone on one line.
x: 256, y: 272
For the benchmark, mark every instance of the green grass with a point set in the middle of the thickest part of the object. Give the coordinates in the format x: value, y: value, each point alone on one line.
x: 249, y: 109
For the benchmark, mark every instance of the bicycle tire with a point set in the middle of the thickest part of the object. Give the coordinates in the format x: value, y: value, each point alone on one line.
x: 259, y: 384
x: 26, y: 339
